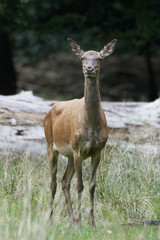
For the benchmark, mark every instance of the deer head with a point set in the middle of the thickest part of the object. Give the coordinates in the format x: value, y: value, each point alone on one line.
x: 91, y: 59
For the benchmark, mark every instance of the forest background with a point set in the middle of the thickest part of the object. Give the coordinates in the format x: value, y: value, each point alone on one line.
x: 34, y: 54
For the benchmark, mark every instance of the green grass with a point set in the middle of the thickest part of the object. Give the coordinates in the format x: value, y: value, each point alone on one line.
x: 128, y: 189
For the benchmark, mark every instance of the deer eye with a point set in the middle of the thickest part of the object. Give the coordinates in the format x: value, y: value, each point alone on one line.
x: 97, y: 60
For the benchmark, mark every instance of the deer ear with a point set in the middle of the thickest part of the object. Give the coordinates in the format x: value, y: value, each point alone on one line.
x: 108, y: 49
x: 75, y: 47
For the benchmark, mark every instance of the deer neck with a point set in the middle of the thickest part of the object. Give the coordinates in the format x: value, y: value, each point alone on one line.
x: 92, y: 102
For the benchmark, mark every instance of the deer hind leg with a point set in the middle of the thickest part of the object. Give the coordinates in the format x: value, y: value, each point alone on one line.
x: 94, y: 165
x: 53, y: 160
x: 66, y: 188
x: 78, y: 169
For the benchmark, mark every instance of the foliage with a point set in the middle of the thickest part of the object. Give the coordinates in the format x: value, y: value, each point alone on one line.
x: 36, y: 24
x: 13, y: 15
x: 127, y: 190
x: 140, y: 25
x: 37, y: 28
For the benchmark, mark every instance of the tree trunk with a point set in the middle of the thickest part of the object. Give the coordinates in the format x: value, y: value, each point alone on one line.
x: 7, y: 72
x: 153, y: 90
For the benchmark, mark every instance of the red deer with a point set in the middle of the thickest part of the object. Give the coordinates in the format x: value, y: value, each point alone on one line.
x: 78, y: 130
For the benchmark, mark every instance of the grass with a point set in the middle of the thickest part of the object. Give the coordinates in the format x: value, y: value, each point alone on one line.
x: 128, y: 189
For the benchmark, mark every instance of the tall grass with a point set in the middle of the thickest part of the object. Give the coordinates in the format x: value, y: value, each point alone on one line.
x: 128, y: 189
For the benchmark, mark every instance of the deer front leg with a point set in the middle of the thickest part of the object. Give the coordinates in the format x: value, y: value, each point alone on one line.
x: 66, y: 188
x: 94, y: 165
x: 78, y: 169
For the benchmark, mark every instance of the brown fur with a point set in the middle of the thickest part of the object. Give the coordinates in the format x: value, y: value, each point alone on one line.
x: 78, y: 130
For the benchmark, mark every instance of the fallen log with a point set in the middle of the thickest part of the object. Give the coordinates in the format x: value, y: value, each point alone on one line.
x: 135, y: 125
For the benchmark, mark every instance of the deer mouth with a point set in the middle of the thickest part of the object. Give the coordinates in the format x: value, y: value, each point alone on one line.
x: 90, y: 74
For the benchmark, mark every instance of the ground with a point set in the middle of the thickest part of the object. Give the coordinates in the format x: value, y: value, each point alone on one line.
x: 127, y: 190
x: 60, y: 77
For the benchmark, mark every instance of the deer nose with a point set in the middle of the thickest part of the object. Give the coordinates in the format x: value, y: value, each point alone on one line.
x: 89, y: 69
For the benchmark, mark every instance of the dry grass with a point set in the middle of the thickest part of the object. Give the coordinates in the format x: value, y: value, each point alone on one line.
x: 127, y: 190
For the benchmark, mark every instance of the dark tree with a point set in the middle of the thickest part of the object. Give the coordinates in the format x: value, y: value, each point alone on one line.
x: 38, y: 28
x: 7, y: 72
x: 11, y: 20
x: 152, y: 84
x: 139, y: 31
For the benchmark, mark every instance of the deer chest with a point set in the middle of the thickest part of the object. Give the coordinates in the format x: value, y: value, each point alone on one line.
x: 90, y: 146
